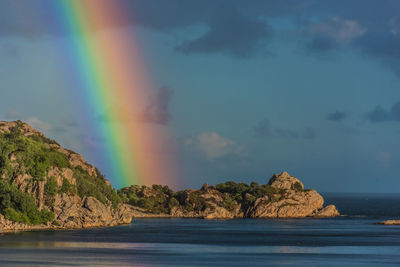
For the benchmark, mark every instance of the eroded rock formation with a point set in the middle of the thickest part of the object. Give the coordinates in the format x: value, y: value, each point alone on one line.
x: 44, y: 185
x: 283, y: 197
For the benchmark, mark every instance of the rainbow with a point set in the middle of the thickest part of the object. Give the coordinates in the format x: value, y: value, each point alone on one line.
x: 112, y: 81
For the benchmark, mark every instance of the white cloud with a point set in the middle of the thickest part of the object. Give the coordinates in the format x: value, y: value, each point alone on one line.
x: 342, y: 30
x: 214, y: 146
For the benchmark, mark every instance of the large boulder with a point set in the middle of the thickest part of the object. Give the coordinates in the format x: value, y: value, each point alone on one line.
x: 73, y: 212
x: 328, y: 211
x: 285, y: 181
x: 294, y: 201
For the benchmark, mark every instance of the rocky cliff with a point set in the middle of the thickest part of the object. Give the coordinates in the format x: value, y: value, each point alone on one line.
x: 43, y: 185
x: 283, y: 197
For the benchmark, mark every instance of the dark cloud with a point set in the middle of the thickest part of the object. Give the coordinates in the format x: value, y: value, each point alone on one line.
x: 235, y: 27
x: 333, y: 33
x: 168, y: 15
x: 29, y: 18
x: 380, y: 114
x: 32, y: 18
x: 384, y: 46
x: 157, y: 111
x: 337, y: 116
x: 231, y: 32
x: 370, y: 27
x: 264, y: 129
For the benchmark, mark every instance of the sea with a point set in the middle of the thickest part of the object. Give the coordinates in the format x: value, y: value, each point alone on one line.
x: 352, y: 239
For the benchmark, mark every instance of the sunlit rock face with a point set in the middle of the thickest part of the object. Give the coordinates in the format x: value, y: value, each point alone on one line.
x: 283, y: 197
x: 293, y: 201
x: 49, y: 186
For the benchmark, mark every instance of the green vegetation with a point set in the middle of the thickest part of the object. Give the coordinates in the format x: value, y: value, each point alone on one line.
x: 65, y: 187
x: 157, y: 199
x: 35, y: 155
x: 44, y: 140
x: 20, y: 206
x: 238, y: 190
x: 297, y: 186
x: 50, y: 190
x: 194, y: 201
x: 95, y: 186
x: 235, y: 190
x: 161, y: 199
x: 266, y: 189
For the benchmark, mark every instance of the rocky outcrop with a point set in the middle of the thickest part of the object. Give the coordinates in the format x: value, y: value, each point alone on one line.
x: 25, y: 129
x: 294, y: 201
x: 11, y: 226
x: 328, y: 211
x: 286, y: 182
x: 283, y: 197
x: 61, y: 182
x: 294, y: 204
x: 219, y: 213
x: 74, y: 212
x: 390, y: 222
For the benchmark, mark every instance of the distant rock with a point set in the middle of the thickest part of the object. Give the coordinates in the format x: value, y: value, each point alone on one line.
x: 390, y: 222
x: 283, y: 197
x: 328, y: 211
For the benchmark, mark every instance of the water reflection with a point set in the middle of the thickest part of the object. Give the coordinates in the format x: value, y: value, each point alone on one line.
x: 188, y: 242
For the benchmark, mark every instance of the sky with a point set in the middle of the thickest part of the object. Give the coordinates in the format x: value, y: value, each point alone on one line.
x: 246, y: 89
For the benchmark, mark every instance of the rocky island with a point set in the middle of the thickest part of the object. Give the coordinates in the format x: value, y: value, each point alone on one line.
x: 45, y: 186
x: 283, y: 196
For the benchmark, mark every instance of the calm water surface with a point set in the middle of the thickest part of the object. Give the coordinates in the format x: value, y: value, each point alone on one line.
x: 351, y: 239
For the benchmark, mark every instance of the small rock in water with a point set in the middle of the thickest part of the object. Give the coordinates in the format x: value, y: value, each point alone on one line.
x: 390, y: 222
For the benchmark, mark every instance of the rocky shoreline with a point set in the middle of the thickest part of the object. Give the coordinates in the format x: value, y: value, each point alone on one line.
x: 45, y: 186
x: 291, y: 201
x: 283, y: 197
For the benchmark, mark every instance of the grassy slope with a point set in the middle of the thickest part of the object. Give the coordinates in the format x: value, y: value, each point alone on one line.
x: 35, y: 158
